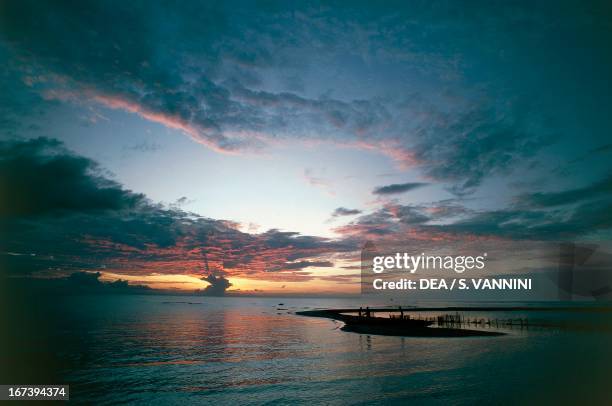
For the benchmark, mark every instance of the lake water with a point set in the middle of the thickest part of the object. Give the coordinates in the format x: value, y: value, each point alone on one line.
x: 193, y: 350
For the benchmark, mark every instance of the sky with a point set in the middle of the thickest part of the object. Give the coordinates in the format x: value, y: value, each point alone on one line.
x: 277, y: 138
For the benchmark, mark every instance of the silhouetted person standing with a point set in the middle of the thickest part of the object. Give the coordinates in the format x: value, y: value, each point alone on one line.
x: 368, y: 311
x: 401, y: 313
x: 360, y: 310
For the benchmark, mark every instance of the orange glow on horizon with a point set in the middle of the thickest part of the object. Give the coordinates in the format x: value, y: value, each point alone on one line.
x: 314, y: 286
x: 157, y: 281
x: 242, y: 285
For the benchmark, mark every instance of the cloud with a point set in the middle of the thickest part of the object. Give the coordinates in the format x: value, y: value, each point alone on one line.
x: 181, y: 202
x: 370, y: 226
x: 397, y: 188
x: 209, y: 71
x: 318, y: 181
x: 584, y: 220
x: 343, y: 211
x: 398, y: 221
x: 75, y: 284
x: 562, y: 215
x: 601, y: 188
x: 103, y: 225
x: 218, y: 285
x: 39, y: 177
x: 566, y: 215
x: 303, y: 264
x: 200, y: 88
x: 62, y: 215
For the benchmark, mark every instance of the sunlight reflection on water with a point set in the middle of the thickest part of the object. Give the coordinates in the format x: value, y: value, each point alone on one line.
x: 151, y: 349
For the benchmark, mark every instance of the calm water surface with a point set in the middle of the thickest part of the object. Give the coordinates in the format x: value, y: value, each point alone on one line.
x: 192, y: 350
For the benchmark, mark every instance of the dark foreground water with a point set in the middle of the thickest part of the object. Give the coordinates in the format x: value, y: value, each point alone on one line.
x: 192, y: 350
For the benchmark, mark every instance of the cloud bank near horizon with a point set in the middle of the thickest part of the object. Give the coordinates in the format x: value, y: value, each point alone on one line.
x: 63, y: 215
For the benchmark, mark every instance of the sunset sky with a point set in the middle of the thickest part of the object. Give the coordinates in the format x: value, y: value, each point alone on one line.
x: 278, y: 138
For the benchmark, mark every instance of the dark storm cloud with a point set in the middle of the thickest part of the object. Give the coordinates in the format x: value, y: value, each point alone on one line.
x: 397, y: 188
x: 38, y: 177
x: 218, y: 285
x: 62, y: 215
x: 76, y: 283
x: 474, y: 98
x: 343, y: 211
